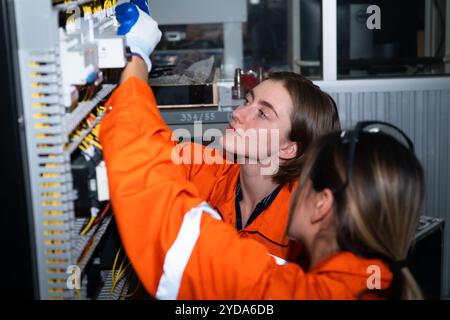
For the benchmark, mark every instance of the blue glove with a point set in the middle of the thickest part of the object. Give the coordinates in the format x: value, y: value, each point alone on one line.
x: 141, y: 31
x: 142, y: 4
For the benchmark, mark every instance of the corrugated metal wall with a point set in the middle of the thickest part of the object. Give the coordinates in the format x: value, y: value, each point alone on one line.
x: 425, y: 117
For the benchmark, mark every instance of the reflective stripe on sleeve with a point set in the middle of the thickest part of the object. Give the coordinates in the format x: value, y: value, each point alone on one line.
x: 180, y: 252
x: 278, y: 260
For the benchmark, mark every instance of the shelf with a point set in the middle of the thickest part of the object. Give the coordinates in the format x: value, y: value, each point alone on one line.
x: 220, y: 114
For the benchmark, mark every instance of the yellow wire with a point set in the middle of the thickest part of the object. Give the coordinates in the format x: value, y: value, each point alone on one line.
x: 98, y: 145
x: 118, y: 272
x: 88, y: 226
x: 134, y: 291
x: 119, y: 276
x: 115, y: 263
x: 95, y: 130
x: 122, y: 272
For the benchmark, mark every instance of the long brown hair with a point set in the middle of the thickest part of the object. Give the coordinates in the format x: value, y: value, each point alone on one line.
x: 377, y: 214
x: 314, y: 114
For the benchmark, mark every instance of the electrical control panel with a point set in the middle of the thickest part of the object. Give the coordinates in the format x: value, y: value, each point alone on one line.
x: 65, y: 47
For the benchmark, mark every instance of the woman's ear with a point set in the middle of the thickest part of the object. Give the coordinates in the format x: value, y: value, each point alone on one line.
x: 323, y: 205
x: 288, y: 150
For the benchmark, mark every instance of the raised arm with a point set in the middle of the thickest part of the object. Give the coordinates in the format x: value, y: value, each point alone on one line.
x: 142, y: 34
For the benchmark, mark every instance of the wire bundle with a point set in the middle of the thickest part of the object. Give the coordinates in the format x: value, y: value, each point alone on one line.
x: 95, y: 219
x: 91, y: 140
x: 117, y: 275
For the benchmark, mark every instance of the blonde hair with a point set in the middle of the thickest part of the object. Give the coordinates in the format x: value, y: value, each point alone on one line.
x: 377, y: 214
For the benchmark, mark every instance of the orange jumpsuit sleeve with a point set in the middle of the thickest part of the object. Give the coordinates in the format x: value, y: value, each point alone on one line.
x: 148, y: 192
x: 176, y: 243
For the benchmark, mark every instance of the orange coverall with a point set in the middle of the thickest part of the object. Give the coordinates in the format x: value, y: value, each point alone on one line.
x: 176, y: 241
x: 216, y: 184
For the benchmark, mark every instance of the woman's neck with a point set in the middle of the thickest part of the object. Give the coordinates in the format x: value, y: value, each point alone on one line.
x: 254, y: 185
x: 323, y: 248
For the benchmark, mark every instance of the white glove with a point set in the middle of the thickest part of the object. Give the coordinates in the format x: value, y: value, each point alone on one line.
x: 142, y: 32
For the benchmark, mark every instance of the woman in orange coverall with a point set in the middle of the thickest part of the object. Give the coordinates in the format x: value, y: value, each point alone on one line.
x: 356, y: 211
x: 255, y: 203
x: 357, y: 235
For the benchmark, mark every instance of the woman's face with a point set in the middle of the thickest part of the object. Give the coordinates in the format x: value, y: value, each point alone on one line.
x: 259, y: 128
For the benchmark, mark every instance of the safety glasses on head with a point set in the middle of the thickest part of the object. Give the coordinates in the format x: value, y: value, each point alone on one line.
x: 352, y: 138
